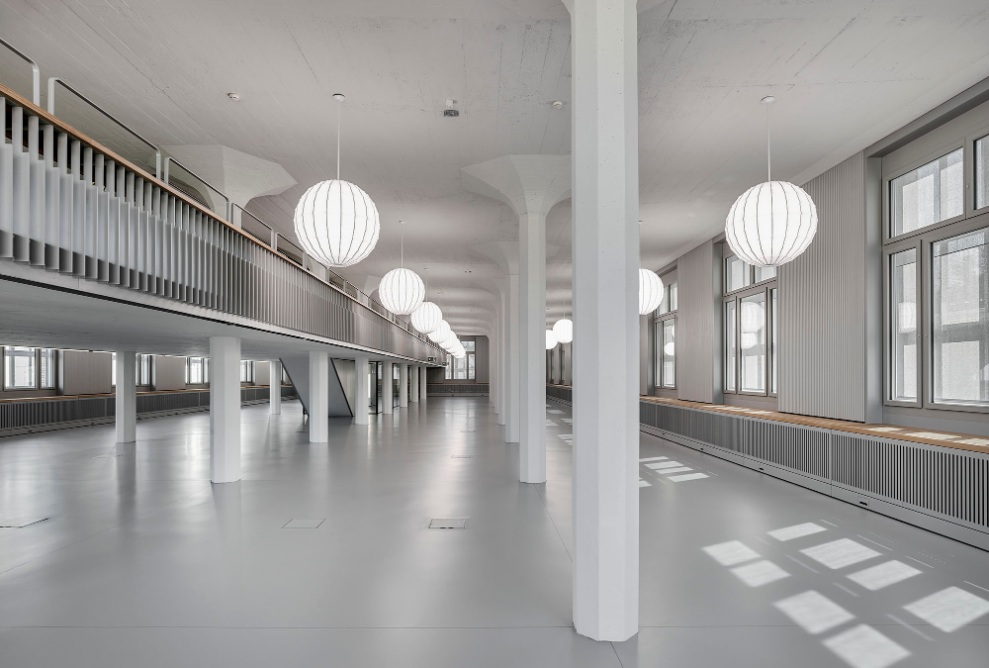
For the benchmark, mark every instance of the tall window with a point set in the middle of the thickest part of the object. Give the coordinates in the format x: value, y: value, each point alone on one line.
x: 750, y: 304
x: 20, y: 368
x: 246, y: 371
x: 197, y: 370
x: 463, y: 369
x: 937, y: 283
x: 144, y: 368
x: 665, y: 332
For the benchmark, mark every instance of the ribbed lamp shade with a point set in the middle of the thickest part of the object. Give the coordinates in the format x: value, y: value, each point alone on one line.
x: 550, y: 339
x: 771, y: 224
x: 563, y: 330
x: 337, y: 223
x: 427, y: 317
x: 401, y: 291
x: 441, y: 332
x: 650, y: 291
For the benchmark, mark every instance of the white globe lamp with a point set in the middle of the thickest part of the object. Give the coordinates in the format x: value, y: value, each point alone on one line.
x: 401, y: 291
x: 563, y: 330
x: 335, y: 221
x: 650, y: 291
x: 772, y: 223
x: 426, y: 317
x: 441, y: 332
x: 550, y: 339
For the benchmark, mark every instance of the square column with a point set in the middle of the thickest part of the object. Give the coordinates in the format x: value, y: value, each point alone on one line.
x: 423, y: 383
x: 387, y: 387
x: 126, y: 396
x: 362, y: 392
x: 532, y: 349
x: 414, y: 383
x: 503, y: 358
x: 319, y: 396
x: 224, y: 408
x: 275, y: 387
x: 513, y: 363
x: 606, y: 338
x: 403, y: 385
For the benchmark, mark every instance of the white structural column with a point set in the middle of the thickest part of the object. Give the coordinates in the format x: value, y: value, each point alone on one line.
x: 362, y: 394
x: 423, y: 383
x: 504, y: 362
x: 126, y: 396
x: 224, y: 410
x: 413, y: 383
x: 275, y: 387
x: 403, y: 385
x: 606, y: 336
x: 387, y: 388
x: 494, y: 382
x: 531, y: 185
x: 319, y: 396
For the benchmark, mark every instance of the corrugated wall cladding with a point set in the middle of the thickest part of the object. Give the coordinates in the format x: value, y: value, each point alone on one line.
x: 68, y: 208
x: 698, y: 324
x: 948, y: 485
x: 822, y: 304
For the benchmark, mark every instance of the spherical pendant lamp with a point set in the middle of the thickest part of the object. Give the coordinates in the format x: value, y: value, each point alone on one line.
x: 335, y: 221
x: 441, y: 332
x: 427, y: 317
x: 550, y: 339
x: 650, y: 291
x: 670, y: 348
x: 401, y: 291
x: 563, y: 330
x: 772, y: 223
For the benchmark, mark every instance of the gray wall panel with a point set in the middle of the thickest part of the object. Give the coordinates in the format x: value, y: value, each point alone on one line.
x: 699, y: 325
x: 85, y: 372
x: 169, y: 372
x: 823, y: 303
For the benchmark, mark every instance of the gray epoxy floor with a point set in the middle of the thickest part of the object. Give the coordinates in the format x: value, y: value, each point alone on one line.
x: 144, y: 563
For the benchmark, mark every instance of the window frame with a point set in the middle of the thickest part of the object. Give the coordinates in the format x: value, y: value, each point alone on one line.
x: 923, y: 239
x: 670, y: 284
x: 36, y: 383
x: 764, y: 287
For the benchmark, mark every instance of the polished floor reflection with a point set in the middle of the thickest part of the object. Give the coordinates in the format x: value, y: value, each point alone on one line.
x: 323, y: 555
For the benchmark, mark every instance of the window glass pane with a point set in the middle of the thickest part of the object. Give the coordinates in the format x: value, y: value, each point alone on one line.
x: 928, y: 194
x: 752, y: 344
x: 471, y: 359
x: 195, y: 373
x: 658, y: 362
x: 730, y: 346
x: 469, y: 345
x: 773, y: 372
x: 764, y: 273
x: 243, y: 371
x: 664, y: 306
x: 19, y: 368
x: 736, y: 274
x: 48, y: 357
x: 960, y: 304
x: 113, y: 369
x: 982, y: 173
x: 673, y: 297
x: 903, y: 357
x: 669, y: 352
x: 460, y: 368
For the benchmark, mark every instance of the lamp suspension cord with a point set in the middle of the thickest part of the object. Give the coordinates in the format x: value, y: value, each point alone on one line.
x: 402, y: 223
x: 769, y: 149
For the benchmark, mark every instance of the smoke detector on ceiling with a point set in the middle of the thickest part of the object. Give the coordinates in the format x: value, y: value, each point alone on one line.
x: 234, y: 96
x: 557, y: 104
x: 450, y: 112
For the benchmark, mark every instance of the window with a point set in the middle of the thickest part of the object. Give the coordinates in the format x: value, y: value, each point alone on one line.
x: 665, y: 335
x: 928, y: 195
x: 750, y: 310
x: 960, y: 323
x: 463, y: 369
x: 247, y: 371
x: 47, y: 358
x: 144, y: 367
x: 937, y: 283
x: 197, y: 370
x: 20, y: 368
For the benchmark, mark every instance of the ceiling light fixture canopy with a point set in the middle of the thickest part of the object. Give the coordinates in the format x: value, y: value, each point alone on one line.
x: 774, y: 222
x: 401, y: 290
x: 563, y: 330
x: 335, y: 221
x: 650, y: 291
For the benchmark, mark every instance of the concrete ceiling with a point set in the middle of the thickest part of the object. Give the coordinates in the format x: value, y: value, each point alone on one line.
x: 845, y: 73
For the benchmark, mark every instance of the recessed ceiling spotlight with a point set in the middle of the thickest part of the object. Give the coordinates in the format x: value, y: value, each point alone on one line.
x: 557, y: 104
x: 769, y: 99
x: 234, y: 96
